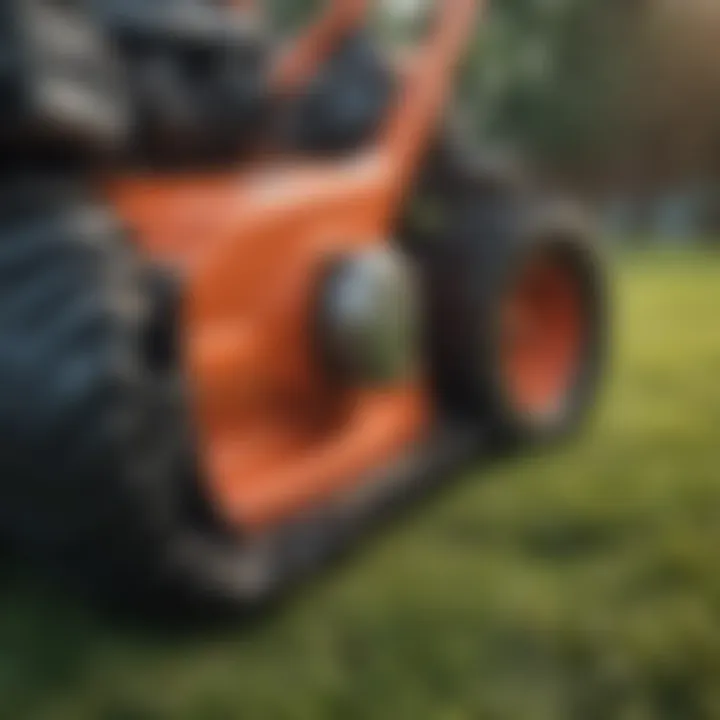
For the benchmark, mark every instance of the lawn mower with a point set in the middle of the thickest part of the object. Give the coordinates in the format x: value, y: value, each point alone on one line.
x: 254, y: 297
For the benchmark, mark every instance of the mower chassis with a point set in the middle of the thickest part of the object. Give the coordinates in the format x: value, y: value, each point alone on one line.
x: 289, y: 553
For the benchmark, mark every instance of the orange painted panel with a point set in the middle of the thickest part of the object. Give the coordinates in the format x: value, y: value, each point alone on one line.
x: 277, y: 435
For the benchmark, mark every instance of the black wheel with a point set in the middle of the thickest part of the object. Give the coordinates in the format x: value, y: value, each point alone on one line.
x: 99, y: 483
x: 517, y: 310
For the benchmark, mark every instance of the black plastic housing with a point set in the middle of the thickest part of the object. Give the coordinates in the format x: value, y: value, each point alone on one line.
x: 346, y: 103
x: 61, y: 89
x: 196, y: 75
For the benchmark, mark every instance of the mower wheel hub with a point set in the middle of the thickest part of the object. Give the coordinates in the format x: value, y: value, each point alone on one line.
x: 369, y: 317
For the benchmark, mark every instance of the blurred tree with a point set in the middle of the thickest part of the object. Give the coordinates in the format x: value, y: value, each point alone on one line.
x: 546, y: 78
x: 612, y: 92
x: 671, y: 94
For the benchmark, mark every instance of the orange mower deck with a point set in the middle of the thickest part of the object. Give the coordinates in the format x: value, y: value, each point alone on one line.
x: 277, y: 436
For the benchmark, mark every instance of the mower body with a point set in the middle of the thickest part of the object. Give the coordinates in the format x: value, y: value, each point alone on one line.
x: 279, y: 434
x: 223, y: 365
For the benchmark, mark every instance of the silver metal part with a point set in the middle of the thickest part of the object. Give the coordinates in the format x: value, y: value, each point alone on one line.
x: 370, y: 317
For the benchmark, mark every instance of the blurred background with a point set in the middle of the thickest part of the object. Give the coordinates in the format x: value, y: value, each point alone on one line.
x: 582, y: 585
x: 619, y: 98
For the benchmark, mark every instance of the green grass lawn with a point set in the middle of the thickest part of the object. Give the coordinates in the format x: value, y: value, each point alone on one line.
x: 583, y: 585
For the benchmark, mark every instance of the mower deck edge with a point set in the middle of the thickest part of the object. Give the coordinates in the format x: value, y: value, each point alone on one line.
x: 279, y: 559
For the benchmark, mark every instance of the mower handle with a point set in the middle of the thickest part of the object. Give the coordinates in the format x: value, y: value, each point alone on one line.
x: 428, y: 86
x: 298, y: 63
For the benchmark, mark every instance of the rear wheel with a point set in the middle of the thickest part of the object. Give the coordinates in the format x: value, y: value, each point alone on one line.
x: 517, y: 315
